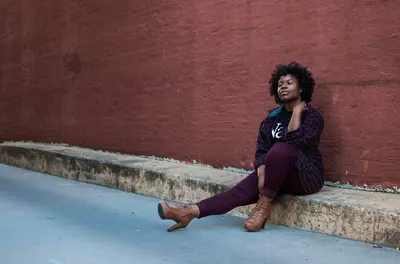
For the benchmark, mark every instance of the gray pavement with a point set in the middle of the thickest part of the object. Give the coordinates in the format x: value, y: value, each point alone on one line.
x: 46, y: 219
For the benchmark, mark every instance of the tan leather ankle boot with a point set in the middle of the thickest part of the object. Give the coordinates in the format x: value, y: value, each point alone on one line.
x: 259, y: 215
x: 182, y: 215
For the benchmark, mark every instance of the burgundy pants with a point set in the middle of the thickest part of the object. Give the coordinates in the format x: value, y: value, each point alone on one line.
x: 280, y: 177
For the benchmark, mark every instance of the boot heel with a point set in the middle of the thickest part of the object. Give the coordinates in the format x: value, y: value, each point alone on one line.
x: 176, y: 226
x: 263, y: 226
x: 182, y: 215
x: 161, y: 212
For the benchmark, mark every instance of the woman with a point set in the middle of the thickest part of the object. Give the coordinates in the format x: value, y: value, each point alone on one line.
x: 287, y: 158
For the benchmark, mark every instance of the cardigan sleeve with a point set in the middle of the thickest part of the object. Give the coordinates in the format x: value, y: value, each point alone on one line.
x: 263, y: 145
x: 309, y: 132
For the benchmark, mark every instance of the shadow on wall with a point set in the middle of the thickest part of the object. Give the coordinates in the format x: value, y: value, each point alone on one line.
x: 331, y: 141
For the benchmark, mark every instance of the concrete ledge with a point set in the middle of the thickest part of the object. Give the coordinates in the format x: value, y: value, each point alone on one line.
x: 366, y: 216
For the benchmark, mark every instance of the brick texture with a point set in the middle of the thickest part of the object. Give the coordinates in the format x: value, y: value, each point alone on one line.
x: 188, y: 79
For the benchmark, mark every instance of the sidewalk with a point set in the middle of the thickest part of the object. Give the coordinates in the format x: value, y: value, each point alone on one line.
x: 57, y: 221
x: 360, y: 215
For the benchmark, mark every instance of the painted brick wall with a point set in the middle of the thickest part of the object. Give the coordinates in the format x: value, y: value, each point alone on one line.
x: 188, y: 79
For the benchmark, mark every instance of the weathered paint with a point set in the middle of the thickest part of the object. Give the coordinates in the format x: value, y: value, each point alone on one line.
x: 130, y: 77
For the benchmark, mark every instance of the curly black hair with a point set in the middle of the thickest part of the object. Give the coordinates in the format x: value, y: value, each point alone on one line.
x: 302, y: 74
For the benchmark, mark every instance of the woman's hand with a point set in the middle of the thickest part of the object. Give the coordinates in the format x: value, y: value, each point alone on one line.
x: 261, y: 176
x: 295, y: 120
x: 300, y: 107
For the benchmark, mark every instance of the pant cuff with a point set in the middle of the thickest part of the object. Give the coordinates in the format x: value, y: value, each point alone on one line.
x: 268, y: 193
x: 202, y: 208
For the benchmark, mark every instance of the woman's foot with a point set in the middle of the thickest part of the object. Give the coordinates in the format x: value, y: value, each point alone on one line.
x: 182, y: 215
x: 259, y: 215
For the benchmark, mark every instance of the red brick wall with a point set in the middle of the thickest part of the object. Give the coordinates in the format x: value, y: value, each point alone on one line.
x: 188, y: 79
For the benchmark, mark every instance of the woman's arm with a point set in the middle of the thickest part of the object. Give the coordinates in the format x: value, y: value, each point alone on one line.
x: 295, y: 121
x: 263, y: 145
x: 306, y: 134
x: 262, y: 148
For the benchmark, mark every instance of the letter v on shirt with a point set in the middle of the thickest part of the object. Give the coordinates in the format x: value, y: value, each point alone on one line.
x: 277, y: 131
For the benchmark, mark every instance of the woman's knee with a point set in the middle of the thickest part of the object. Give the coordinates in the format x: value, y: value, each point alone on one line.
x: 282, y: 150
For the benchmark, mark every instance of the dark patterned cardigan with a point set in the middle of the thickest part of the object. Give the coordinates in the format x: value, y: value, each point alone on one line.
x: 306, y: 139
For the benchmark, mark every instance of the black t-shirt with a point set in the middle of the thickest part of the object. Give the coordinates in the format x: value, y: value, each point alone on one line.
x: 281, y: 122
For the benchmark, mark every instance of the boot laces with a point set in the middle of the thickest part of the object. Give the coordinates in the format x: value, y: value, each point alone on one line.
x: 259, y: 209
x: 255, y: 209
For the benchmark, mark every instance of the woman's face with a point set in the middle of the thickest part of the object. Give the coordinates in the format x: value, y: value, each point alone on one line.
x: 288, y: 88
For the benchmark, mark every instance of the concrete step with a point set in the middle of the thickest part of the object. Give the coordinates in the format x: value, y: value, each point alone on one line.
x: 360, y: 215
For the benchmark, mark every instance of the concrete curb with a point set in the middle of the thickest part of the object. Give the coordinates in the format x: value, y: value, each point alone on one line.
x: 365, y: 216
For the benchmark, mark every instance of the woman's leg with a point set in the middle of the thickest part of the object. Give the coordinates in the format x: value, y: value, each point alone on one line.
x: 243, y: 193
x: 280, y: 175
